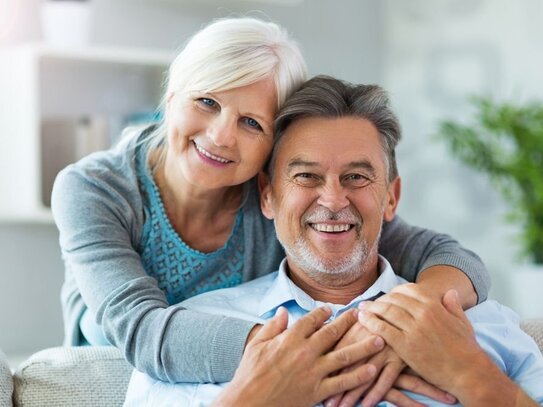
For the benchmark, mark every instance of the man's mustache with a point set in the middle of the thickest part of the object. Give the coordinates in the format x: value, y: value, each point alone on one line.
x: 323, y: 214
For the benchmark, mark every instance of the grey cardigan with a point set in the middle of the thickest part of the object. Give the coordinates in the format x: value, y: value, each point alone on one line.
x: 97, y: 206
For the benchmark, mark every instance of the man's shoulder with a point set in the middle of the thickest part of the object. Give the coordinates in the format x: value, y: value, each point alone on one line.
x: 241, y: 301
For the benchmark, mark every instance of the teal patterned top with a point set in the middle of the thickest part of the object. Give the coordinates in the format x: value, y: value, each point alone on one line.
x: 181, y: 271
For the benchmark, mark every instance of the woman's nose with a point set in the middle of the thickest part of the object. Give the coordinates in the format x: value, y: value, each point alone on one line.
x: 223, y: 131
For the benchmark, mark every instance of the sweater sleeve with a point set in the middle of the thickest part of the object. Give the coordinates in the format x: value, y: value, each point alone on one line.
x: 98, y: 238
x: 411, y: 249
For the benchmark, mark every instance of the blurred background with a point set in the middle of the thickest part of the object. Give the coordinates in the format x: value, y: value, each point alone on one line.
x: 69, y: 82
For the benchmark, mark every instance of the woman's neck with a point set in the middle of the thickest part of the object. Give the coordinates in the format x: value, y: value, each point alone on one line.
x: 203, y: 218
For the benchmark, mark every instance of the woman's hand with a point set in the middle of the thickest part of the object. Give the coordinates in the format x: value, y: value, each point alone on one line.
x: 293, y: 367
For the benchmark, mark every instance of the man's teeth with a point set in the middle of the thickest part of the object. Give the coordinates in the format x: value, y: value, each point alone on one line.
x: 209, y: 155
x: 323, y: 227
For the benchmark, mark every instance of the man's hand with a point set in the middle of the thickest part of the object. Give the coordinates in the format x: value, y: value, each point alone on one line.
x: 293, y: 367
x: 389, y: 380
x: 438, y: 342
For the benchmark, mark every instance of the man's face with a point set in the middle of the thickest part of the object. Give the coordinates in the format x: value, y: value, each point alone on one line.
x: 329, y: 195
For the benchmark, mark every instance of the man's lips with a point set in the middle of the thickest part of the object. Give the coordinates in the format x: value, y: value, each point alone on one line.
x: 211, y: 156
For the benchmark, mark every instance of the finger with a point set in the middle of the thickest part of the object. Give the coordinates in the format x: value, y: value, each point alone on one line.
x: 312, y: 322
x: 392, y: 335
x: 333, y: 401
x: 346, y: 381
x: 331, y: 333
x: 399, y: 399
x: 383, y: 384
x: 273, y: 327
x: 420, y: 386
x: 349, y: 355
x: 390, y: 312
x: 352, y: 396
x: 405, y: 301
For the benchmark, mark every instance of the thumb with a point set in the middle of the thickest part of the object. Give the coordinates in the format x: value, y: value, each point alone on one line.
x: 273, y: 327
x: 451, y: 303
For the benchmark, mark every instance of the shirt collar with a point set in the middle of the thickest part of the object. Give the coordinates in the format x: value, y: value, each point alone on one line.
x: 283, y: 290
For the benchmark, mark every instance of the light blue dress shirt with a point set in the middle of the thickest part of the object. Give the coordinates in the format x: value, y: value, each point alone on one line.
x: 496, y: 327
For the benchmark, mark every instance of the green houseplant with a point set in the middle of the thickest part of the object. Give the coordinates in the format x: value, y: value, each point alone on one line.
x: 505, y: 141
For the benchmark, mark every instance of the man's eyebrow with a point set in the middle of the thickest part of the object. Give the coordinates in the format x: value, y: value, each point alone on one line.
x: 363, y: 164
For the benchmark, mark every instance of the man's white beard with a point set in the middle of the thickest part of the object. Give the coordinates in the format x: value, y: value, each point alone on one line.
x: 342, y: 271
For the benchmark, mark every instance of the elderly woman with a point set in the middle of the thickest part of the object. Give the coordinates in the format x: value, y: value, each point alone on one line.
x: 173, y: 211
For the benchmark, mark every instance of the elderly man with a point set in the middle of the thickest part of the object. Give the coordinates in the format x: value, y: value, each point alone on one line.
x: 332, y: 182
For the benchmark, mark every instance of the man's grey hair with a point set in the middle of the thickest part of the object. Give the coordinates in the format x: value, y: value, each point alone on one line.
x: 327, y: 97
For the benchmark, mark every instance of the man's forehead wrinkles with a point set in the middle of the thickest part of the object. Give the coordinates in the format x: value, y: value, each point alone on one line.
x: 299, y: 162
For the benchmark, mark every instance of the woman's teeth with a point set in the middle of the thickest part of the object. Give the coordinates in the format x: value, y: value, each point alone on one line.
x: 211, y: 156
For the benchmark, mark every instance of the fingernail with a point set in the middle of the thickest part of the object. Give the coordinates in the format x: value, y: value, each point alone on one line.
x: 361, y: 305
x: 450, y: 398
x: 329, y: 403
x: 379, y: 342
x: 368, y: 402
x: 372, y: 370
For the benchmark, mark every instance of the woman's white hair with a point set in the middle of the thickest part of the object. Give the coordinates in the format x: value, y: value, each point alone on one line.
x: 230, y: 53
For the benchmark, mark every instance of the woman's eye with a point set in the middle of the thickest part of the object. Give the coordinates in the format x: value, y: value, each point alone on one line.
x: 208, y: 102
x: 252, y: 123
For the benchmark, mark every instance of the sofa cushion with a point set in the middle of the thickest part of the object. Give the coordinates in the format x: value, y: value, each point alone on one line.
x: 534, y: 328
x: 6, y: 381
x: 64, y: 376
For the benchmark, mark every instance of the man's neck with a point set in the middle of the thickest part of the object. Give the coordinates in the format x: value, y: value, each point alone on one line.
x: 335, y: 288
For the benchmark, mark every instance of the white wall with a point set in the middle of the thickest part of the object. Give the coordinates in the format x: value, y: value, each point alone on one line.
x: 429, y: 55
x: 338, y: 38
x: 436, y: 55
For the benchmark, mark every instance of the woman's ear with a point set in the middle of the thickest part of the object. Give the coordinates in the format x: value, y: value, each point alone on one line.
x: 265, y: 190
x: 393, y: 197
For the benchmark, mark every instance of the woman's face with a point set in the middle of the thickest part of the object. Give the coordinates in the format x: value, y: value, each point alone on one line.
x: 220, y: 139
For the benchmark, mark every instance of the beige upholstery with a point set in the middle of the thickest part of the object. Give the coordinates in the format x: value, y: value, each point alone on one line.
x: 83, y: 376
x: 94, y: 376
x: 534, y: 328
x: 6, y: 381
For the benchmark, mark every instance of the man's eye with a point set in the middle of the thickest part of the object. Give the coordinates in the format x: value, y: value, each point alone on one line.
x: 357, y: 179
x: 252, y: 123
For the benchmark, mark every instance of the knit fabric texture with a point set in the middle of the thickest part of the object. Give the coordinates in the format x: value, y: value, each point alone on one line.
x: 534, y: 328
x: 6, y: 381
x: 83, y: 376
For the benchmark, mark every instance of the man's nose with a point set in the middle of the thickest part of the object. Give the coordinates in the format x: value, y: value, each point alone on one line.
x: 333, y: 196
x: 223, y: 131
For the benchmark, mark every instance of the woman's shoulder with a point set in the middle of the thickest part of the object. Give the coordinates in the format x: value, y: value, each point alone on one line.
x: 102, y: 181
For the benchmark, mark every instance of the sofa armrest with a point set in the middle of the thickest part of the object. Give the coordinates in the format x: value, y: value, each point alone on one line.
x: 534, y: 328
x: 6, y: 381
x: 69, y: 376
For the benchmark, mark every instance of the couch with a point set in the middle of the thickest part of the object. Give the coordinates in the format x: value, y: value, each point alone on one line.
x: 92, y: 376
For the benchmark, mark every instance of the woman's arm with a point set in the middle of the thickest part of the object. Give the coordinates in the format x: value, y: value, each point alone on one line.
x: 99, y: 223
x: 436, y: 261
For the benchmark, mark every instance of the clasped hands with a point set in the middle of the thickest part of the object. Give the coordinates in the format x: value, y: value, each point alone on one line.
x: 341, y: 362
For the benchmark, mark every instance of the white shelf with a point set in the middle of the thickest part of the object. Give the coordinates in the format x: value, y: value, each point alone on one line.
x: 58, y: 104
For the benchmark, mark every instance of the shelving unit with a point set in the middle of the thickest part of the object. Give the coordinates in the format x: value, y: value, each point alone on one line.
x: 57, y: 105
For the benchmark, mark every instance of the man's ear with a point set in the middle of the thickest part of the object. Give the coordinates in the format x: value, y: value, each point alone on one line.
x: 264, y: 188
x: 393, y: 197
